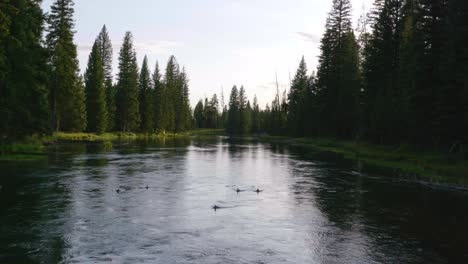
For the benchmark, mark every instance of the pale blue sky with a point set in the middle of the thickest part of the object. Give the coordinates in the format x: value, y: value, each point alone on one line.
x: 220, y: 42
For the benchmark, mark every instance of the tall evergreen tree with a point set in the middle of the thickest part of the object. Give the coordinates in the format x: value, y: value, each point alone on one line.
x: 23, y: 93
x: 255, y: 116
x: 128, y: 117
x: 159, y: 100
x: 233, y: 116
x: 384, y: 99
x: 66, y: 89
x: 244, y: 112
x: 297, y: 101
x: 95, y: 90
x: 338, y: 73
x: 171, y: 94
x: 146, y: 99
x: 105, y: 46
x: 182, y: 104
x: 199, y: 115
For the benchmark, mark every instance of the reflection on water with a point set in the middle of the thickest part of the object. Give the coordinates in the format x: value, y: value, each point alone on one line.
x: 312, y: 210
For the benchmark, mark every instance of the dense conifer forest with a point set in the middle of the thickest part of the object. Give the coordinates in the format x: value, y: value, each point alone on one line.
x: 400, y: 77
x: 42, y: 91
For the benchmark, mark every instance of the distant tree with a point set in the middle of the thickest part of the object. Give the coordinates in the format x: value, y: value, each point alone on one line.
x: 297, y: 101
x: 233, y: 115
x: 256, y: 127
x: 146, y: 99
x: 183, y: 113
x: 95, y: 91
x: 199, y: 115
x: 66, y: 89
x: 128, y: 117
x: 244, y: 112
x: 159, y: 100
x: 171, y: 92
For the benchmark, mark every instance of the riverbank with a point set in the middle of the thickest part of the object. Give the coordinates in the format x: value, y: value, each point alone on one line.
x: 433, y: 167
x: 34, y: 147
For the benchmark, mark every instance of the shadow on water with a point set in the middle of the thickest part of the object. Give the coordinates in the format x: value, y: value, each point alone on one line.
x: 406, y: 222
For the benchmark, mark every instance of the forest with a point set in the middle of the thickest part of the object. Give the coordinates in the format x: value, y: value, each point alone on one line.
x: 399, y: 77
x: 43, y: 92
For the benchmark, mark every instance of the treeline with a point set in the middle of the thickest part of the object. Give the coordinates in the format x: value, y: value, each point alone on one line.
x: 400, y: 77
x: 41, y: 89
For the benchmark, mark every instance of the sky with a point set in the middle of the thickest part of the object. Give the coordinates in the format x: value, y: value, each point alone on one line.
x: 220, y: 43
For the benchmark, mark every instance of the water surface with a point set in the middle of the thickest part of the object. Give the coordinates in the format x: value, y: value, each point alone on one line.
x: 312, y: 208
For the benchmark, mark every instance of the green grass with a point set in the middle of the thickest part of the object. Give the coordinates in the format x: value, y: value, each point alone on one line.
x: 431, y: 166
x: 31, y: 148
x: 91, y: 137
x: 208, y: 132
x: 34, y: 147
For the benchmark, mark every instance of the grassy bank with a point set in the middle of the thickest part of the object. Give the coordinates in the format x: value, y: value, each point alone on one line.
x: 404, y: 160
x: 31, y: 148
x: 91, y: 137
x: 34, y: 147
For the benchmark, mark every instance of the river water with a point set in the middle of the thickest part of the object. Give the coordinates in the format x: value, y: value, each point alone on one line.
x: 312, y: 208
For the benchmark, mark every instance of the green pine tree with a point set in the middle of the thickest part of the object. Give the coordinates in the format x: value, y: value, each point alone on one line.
x: 95, y: 90
x: 297, y: 101
x: 106, y: 49
x: 233, y: 115
x: 171, y: 93
x: 146, y: 99
x: 159, y: 100
x: 23, y: 65
x: 128, y: 117
x: 66, y: 89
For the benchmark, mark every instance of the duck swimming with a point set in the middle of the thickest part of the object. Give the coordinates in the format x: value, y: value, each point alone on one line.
x: 117, y: 191
x: 147, y: 187
x: 258, y: 190
x: 238, y: 190
x: 215, y: 207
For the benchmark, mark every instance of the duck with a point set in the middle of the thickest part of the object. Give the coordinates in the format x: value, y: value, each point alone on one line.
x: 215, y: 207
x: 258, y: 190
x: 147, y: 187
x: 238, y: 190
x: 117, y: 191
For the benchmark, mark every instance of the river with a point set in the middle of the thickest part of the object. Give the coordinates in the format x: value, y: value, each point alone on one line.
x: 312, y: 208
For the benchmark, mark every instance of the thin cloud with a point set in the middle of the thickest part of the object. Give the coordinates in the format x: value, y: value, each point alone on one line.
x: 309, y: 37
x: 149, y: 47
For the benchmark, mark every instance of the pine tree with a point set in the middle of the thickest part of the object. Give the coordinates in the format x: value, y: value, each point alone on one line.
x: 106, y: 49
x: 244, y: 121
x: 128, y: 117
x: 255, y: 116
x: 23, y: 93
x: 159, y: 100
x: 199, y: 115
x: 182, y: 104
x: 146, y: 99
x: 66, y: 89
x: 95, y: 90
x: 384, y: 100
x: 297, y: 101
x: 171, y: 94
x: 233, y: 116
x: 337, y: 81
